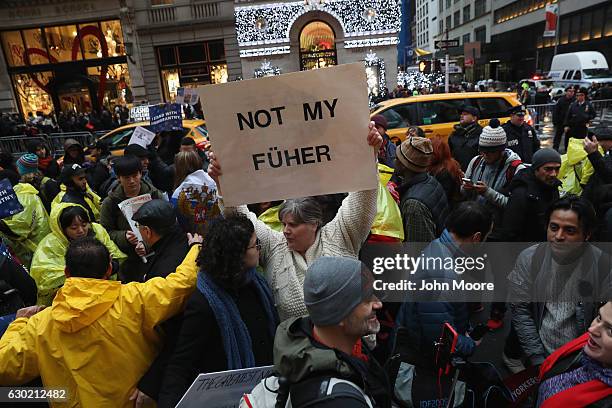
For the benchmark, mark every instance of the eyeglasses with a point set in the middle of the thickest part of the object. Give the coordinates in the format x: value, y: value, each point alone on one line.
x: 256, y: 246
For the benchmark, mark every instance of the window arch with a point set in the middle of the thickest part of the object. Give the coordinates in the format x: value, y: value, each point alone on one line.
x: 317, y: 46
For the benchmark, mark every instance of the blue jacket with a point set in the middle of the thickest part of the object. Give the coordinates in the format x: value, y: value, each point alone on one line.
x: 427, y: 318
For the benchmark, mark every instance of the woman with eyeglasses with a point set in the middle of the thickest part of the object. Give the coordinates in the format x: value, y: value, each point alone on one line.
x: 230, y: 319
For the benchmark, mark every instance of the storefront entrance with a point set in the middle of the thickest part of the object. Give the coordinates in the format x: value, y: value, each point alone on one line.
x: 317, y: 46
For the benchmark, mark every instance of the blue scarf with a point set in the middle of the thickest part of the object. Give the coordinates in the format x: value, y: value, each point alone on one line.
x: 234, y: 333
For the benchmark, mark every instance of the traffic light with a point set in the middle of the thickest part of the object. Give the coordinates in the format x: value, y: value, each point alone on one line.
x: 425, y: 67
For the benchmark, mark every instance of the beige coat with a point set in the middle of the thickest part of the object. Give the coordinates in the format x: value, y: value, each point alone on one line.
x: 285, y: 269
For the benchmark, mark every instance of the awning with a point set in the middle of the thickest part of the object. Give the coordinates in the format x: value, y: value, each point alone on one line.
x: 420, y: 52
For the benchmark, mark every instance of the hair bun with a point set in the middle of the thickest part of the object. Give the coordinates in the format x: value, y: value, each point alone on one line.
x: 493, y: 123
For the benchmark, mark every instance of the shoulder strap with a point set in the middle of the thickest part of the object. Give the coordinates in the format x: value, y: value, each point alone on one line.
x: 511, y: 170
x: 313, y: 391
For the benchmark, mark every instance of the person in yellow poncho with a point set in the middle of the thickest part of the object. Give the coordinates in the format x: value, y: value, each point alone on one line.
x: 24, y: 230
x: 68, y: 222
x: 575, y: 169
x: 99, y: 336
x: 74, y: 189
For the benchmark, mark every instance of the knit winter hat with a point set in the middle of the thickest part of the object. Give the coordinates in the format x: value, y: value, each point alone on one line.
x: 380, y: 120
x: 543, y: 156
x: 333, y: 288
x: 28, y: 163
x: 493, y: 137
x: 416, y: 153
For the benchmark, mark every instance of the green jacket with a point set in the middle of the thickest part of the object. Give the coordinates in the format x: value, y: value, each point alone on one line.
x: 113, y: 219
x: 48, y: 263
x: 28, y: 227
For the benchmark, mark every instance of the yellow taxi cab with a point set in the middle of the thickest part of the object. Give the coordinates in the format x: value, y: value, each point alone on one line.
x: 119, y: 138
x: 436, y: 114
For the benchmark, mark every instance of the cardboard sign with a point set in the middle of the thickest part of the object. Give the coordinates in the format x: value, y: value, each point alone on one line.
x: 165, y: 117
x: 292, y: 135
x: 128, y: 208
x: 142, y: 137
x: 223, y: 389
x: 9, y: 204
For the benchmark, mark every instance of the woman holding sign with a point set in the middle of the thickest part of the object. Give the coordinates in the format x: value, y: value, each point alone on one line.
x: 285, y: 255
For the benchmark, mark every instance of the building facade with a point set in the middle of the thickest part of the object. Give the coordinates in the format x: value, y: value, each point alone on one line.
x: 281, y: 37
x: 79, y: 55
x: 584, y: 25
x: 426, y: 22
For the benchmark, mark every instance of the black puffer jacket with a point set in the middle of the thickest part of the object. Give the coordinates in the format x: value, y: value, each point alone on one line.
x: 463, y: 143
x: 524, y: 215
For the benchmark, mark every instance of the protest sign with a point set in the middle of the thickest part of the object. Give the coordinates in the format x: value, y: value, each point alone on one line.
x: 223, y: 389
x: 9, y: 204
x: 142, y: 137
x: 180, y: 95
x: 139, y: 113
x: 291, y: 135
x: 196, y: 203
x: 165, y: 117
x: 129, y: 207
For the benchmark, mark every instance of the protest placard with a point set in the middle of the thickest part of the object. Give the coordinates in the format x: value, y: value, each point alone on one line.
x: 165, y: 117
x: 223, y: 389
x: 142, y: 137
x: 292, y: 135
x: 196, y: 202
x: 9, y: 204
x: 129, y: 207
x: 139, y: 113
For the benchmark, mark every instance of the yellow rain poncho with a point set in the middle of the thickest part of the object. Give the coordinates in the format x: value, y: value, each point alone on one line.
x: 48, y: 263
x: 91, y: 198
x: 388, y: 222
x: 271, y: 219
x: 30, y: 226
x: 575, y: 169
x: 97, y: 339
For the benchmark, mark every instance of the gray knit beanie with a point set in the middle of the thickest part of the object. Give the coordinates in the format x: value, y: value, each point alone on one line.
x: 493, y: 137
x: 332, y: 289
x: 543, y: 156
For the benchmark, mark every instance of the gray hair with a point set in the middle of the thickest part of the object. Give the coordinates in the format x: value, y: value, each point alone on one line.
x: 304, y: 210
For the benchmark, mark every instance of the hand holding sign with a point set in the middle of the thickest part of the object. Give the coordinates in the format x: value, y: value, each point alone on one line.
x: 142, y: 137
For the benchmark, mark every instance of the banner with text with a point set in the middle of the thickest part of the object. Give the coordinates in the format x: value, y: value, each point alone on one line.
x: 165, y: 117
x: 9, y: 204
x: 552, y: 14
x: 292, y: 135
x: 223, y: 389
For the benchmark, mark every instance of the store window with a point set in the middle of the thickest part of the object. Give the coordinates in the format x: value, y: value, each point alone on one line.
x: 113, y: 35
x: 12, y: 43
x: 317, y: 46
x: 60, y: 42
x: 191, y: 65
x: 36, y: 49
x: 32, y: 92
x: 117, y: 83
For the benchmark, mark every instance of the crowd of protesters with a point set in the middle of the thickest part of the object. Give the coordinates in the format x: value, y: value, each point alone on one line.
x: 124, y: 311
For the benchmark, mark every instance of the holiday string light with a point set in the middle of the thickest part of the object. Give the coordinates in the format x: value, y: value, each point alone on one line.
x: 373, y: 61
x: 270, y: 23
x: 258, y: 52
x: 266, y: 69
x: 371, y: 42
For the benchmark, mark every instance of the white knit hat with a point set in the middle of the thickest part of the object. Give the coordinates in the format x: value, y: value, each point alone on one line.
x: 492, y: 138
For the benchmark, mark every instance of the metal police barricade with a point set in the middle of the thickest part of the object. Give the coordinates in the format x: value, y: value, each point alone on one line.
x: 56, y: 140
x: 99, y: 133
x: 543, y: 113
x: 17, y: 145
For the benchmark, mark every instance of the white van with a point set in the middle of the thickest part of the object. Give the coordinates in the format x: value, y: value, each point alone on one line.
x: 579, y: 68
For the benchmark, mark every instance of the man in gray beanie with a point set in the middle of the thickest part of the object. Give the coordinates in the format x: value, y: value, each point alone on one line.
x: 323, y: 354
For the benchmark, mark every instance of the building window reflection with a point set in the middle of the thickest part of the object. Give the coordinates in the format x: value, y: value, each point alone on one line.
x: 36, y: 51
x: 191, y: 65
x: 60, y: 42
x: 12, y: 43
x: 32, y: 92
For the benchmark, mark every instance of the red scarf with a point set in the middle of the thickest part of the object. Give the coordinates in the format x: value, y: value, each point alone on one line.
x: 43, y: 163
x: 581, y: 395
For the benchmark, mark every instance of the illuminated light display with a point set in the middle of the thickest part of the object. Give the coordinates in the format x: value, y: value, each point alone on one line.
x: 371, y: 42
x: 270, y: 23
x: 258, y: 52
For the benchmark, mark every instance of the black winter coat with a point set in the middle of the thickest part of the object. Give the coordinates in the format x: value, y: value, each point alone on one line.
x: 577, y: 118
x: 523, y: 140
x: 463, y: 143
x: 170, y: 251
x: 524, y: 215
x: 560, y: 110
x: 200, y: 349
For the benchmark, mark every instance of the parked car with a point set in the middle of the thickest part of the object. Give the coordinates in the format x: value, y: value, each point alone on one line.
x: 436, y: 114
